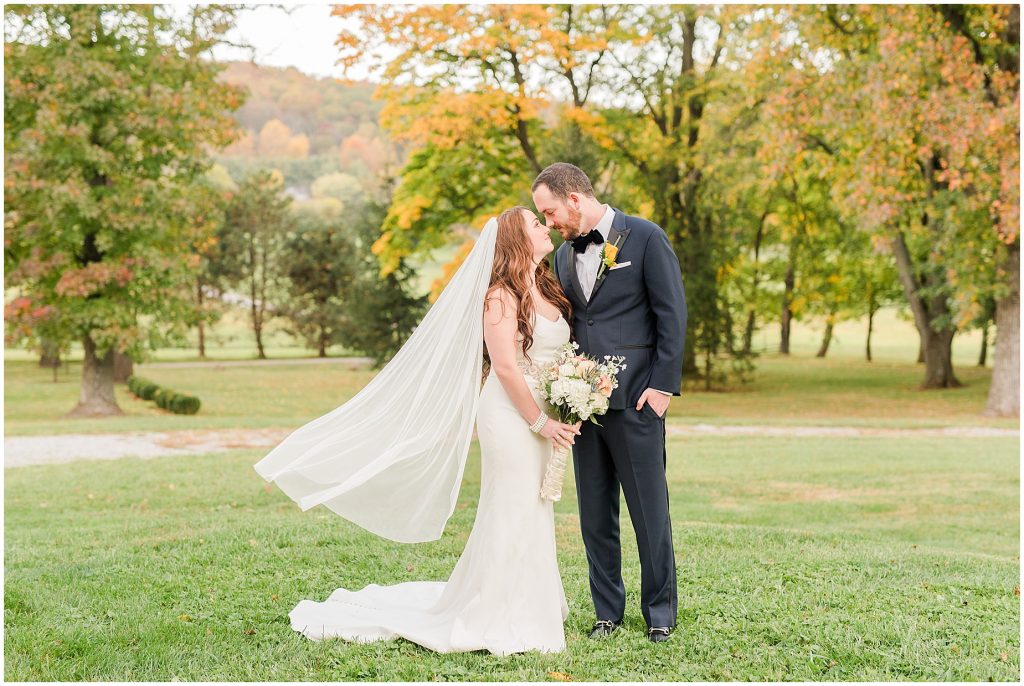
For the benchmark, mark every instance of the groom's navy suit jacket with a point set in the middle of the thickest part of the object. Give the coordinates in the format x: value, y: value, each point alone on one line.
x: 638, y: 311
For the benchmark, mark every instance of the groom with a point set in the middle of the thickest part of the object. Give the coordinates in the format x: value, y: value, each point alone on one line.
x: 635, y: 308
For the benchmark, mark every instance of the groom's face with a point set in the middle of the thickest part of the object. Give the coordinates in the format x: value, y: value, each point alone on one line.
x: 562, y: 215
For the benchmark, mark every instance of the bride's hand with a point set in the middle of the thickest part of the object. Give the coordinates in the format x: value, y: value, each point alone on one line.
x: 562, y: 435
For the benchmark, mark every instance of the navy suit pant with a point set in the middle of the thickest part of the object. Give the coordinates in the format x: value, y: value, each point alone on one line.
x: 627, y: 451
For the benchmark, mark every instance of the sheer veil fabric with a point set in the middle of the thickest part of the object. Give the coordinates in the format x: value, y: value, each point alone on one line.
x: 391, y: 459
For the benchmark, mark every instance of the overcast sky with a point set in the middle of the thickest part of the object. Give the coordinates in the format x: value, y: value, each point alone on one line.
x: 302, y: 38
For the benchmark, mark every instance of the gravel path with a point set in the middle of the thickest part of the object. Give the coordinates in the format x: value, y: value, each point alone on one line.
x: 22, y: 451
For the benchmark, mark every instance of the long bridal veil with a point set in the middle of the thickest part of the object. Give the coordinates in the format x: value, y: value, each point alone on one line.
x: 391, y: 459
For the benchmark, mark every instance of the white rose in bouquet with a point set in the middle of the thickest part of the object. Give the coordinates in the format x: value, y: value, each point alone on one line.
x: 578, y: 388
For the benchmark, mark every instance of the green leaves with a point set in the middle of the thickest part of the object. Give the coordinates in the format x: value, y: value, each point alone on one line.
x: 106, y: 137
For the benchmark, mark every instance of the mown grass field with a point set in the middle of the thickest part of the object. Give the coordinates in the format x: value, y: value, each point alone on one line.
x: 802, y: 559
x: 853, y: 558
x: 786, y: 391
x: 894, y: 340
x: 841, y: 389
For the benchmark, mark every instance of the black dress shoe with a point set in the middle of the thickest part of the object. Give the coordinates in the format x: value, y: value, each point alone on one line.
x: 657, y: 634
x: 603, y: 627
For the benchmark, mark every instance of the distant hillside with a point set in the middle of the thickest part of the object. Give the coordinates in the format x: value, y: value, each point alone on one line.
x: 323, y: 109
x: 306, y: 126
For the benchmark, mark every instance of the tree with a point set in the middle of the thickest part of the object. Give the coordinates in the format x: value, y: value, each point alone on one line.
x: 993, y: 35
x: 459, y: 91
x: 871, y: 276
x: 256, y: 220
x: 469, y: 83
x: 110, y: 114
x: 211, y: 198
x: 342, y: 187
x: 277, y: 140
x: 380, y: 310
x: 918, y: 144
x: 318, y: 262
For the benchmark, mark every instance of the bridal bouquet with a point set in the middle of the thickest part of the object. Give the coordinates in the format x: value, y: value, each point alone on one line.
x: 578, y: 388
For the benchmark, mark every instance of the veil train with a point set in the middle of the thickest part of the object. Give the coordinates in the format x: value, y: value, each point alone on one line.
x: 391, y: 458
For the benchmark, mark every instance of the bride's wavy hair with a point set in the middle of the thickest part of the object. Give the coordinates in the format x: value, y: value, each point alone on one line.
x: 513, y: 259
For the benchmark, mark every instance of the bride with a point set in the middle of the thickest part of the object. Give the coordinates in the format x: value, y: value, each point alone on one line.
x: 391, y: 460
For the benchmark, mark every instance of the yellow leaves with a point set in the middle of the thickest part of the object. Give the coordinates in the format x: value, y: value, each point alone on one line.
x: 389, y: 257
x: 446, y: 118
x: 406, y: 211
x: 798, y: 304
x: 448, y: 271
x: 381, y: 244
x: 560, y: 676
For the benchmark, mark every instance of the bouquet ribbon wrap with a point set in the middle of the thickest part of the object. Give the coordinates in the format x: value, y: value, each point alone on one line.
x: 554, y: 475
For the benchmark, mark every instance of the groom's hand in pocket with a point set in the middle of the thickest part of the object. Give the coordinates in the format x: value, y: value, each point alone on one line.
x: 657, y: 400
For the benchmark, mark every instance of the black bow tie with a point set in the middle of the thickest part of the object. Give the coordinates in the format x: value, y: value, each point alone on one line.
x: 580, y: 243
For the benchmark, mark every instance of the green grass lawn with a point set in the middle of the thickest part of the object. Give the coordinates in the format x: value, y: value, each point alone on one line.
x: 785, y: 391
x: 799, y: 559
x: 894, y: 340
x: 841, y: 389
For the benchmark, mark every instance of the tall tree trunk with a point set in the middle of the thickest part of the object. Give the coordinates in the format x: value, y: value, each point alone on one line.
x: 983, y: 354
x: 123, y: 367
x: 683, y: 236
x: 920, y: 350
x: 937, y: 346
x: 872, y: 308
x: 97, y: 394
x: 50, y: 357
x: 938, y: 360
x: 787, y: 298
x: 257, y: 327
x: 1004, y: 390
x: 826, y: 339
x: 254, y: 291
x: 202, y: 324
x: 748, y: 333
x: 322, y: 351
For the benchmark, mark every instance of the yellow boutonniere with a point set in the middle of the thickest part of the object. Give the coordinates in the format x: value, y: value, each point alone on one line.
x: 608, y: 254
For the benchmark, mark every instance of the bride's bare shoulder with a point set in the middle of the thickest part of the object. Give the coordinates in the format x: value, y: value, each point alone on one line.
x: 500, y: 304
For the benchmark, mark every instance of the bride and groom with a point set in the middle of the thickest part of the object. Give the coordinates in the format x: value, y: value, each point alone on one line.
x: 391, y: 459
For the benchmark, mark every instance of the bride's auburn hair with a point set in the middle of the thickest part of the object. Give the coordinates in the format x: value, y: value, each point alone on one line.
x: 513, y: 261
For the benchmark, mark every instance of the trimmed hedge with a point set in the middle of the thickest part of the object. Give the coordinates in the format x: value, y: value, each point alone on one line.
x: 175, y: 402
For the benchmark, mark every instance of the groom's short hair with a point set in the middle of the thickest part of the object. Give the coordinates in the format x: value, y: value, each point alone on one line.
x: 563, y: 178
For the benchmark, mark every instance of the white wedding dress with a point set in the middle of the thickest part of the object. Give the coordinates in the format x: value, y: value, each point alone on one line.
x: 505, y: 594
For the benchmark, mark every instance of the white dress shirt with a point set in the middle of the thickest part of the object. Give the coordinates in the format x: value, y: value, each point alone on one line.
x: 588, y: 261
